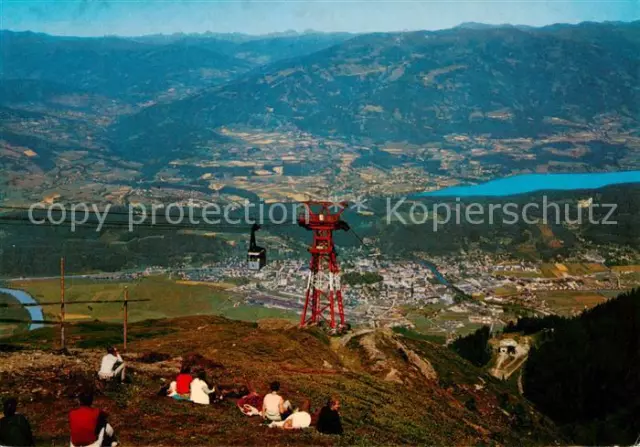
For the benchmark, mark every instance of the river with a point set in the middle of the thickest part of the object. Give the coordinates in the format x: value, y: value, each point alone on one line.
x: 435, y: 272
x: 35, y: 312
x: 528, y: 183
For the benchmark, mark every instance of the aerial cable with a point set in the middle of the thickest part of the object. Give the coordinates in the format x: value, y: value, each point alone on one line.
x: 161, y: 225
x: 362, y: 242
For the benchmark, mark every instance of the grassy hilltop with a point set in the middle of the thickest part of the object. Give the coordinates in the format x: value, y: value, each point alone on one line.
x: 394, y: 389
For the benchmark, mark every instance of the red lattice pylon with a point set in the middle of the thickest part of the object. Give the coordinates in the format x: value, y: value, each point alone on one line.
x: 323, y: 290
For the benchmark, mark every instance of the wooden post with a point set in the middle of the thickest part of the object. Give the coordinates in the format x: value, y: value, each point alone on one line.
x: 126, y: 316
x: 62, y: 339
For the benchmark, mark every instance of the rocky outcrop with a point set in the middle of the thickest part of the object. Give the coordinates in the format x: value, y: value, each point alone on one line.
x: 423, y: 366
x: 374, y: 344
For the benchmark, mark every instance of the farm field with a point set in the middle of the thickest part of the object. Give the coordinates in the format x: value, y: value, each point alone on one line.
x: 505, y: 291
x: 168, y: 298
x: 559, y: 270
x: 518, y: 274
x: 626, y: 268
x: 434, y: 321
x: 571, y: 302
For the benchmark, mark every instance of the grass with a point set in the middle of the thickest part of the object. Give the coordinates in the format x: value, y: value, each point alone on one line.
x: 582, y: 269
x: 505, y: 291
x: 422, y: 323
x: 568, y: 302
x: 415, y: 335
x: 517, y: 274
x: 550, y: 271
x: 254, y: 313
x: 168, y: 299
x: 611, y: 293
x: 13, y: 313
x: 374, y: 411
x: 626, y: 268
x: 572, y: 269
x: 95, y: 334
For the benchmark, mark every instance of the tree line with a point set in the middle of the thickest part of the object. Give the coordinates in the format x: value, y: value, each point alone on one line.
x: 586, y: 375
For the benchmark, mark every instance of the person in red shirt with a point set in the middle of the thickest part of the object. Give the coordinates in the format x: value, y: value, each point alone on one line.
x: 180, y: 389
x: 89, y: 426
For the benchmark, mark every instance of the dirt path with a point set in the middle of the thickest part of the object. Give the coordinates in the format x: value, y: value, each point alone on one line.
x: 507, y: 364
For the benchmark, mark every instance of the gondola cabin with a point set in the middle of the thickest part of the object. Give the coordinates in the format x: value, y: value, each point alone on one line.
x: 257, y: 259
x: 256, y: 256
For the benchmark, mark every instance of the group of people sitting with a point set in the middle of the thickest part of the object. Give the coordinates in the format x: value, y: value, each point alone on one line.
x: 278, y: 412
x: 196, y: 389
x: 272, y: 407
x: 89, y: 426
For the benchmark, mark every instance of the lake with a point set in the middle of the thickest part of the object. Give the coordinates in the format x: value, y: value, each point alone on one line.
x: 527, y: 183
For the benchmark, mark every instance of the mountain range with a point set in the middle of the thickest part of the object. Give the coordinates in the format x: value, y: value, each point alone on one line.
x: 420, y: 86
x: 143, y: 68
x: 157, y: 98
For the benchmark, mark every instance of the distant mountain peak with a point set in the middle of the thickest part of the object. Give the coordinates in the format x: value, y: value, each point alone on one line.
x: 482, y: 26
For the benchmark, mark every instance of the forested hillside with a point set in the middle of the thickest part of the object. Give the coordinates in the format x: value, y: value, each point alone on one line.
x: 586, y: 376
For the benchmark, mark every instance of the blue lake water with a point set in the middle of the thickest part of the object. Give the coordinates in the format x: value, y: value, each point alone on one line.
x: 35, y: 312
x: 527, y: 183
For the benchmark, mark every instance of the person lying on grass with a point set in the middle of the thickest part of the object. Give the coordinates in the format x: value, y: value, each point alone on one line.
x: 250, y: 403
x: 300, y: 418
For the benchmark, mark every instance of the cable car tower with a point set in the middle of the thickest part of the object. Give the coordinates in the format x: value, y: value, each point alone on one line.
x: 323, y: 287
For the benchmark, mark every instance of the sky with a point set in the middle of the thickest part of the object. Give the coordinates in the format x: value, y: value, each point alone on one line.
x: 138, y: 17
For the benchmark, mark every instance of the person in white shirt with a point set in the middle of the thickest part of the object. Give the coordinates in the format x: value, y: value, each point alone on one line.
x: 112, y: 365
x: 301, y: 418
x: 274, y: 407
x: 200, y: 389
